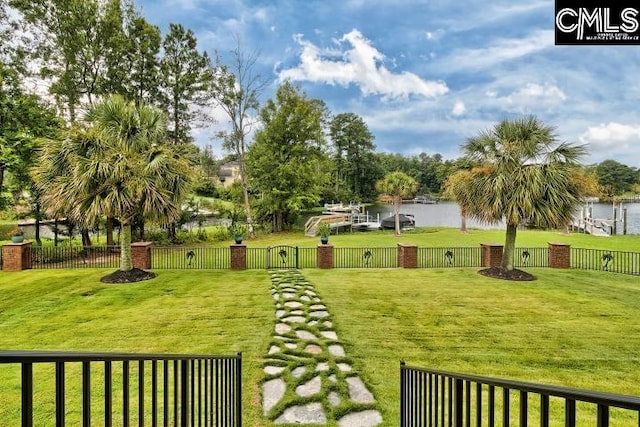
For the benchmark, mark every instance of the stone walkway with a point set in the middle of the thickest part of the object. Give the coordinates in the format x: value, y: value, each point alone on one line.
x: 308, y: 377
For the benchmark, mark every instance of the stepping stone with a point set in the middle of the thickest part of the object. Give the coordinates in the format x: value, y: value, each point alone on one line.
x: 316, y: 300
x: 334, y: 399
x: 276, y: 297
x: 358, y: 391
x: 369, y: 418
x: 329, y: 335
x: 274, y: 370
x: 281, y: 328
x: 294, y: 319
x: 293, y: 304
x: 344, y: 367
x: 310, y: 388
x: 305, y: 335
x: 332, y: 378
x: 289, y: 290
x: 328, y: 324
x: 274, y: 349
x: 288, y: 295
x: 313, y: 323
x: 280, y: 313
x: 272, y: 392
x: 305, y: 298
x: 310, y: 293
x: 299, y: 371
x: 319, y: 314
x: 313, y: 349
x: 322, y: 366
x: 311, y: 413
x: 291, y: 345
x: 336, y: 350
x: 318, y: 307
x: 297, y: 313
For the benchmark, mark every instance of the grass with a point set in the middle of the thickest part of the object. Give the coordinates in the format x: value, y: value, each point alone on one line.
x: 578, y: 329
x: 205, y: 312
x: 573, y: 328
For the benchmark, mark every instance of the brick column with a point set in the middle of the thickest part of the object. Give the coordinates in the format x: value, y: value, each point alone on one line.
x: 141, y: 255
x: 407, y: 255
x: 238, y: 256
x: 491, y: 254
x: 325, y: 256
x: 559, y: 255
x: 16, y: 256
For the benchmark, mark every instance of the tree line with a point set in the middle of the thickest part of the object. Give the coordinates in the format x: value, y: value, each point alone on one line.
x: 293, y: 153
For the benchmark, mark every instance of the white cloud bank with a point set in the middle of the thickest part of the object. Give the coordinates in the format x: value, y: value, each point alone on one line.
x: 360, y: 64
x: 612, y: 135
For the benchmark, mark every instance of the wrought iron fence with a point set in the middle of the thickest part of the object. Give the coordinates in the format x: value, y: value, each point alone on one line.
x: 438, y: 398
x: 179, y: 257
x: 44, y: 257
x: 365, y: 257
x: 531, y: 257
x: 606, y: 260
x: 122, y: 389
x: 449, y: 257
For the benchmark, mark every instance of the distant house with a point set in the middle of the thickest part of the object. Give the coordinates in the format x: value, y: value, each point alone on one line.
x: 229, y: 173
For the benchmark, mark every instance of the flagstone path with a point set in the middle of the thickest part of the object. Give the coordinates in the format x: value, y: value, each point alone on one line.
x: 308, y: 377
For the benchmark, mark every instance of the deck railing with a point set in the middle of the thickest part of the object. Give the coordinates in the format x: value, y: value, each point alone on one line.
x: 123, y: 389
x: 437, y: 398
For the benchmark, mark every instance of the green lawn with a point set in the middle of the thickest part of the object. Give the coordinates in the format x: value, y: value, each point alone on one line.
x: 579, y: 329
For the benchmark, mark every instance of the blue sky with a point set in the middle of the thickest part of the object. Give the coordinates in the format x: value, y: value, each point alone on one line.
x: 426, y: 75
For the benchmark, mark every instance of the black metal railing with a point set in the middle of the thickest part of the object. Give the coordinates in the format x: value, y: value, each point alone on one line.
x: 531, y: 257
x: 606, y: 260
x: 122, y: 389
x: 45, y: 257
x: 449, y: 257
x: 196, y: 258
x: 438, y: 398
x: 365, y: 257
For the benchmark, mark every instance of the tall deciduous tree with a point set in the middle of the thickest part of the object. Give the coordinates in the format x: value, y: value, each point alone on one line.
x: 397, y: 185
x: 141, y: 61
x: 236, y: 90
x: 285, y: 161
x: 525, y: 176
x: 185, y: 75
x: 122, y: 167
x: 615, y: 178
x: 354, y: 147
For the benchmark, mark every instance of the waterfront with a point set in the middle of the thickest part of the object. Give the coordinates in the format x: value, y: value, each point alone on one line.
x: 447, y: 214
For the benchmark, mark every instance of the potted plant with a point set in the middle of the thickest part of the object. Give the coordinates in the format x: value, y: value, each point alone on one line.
x: 238, y: 231
x: 17, y: 235
x: 324, y: 229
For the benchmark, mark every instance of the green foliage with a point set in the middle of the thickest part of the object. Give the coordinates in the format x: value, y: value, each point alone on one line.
x: 525, y: 176
x: 616, y: 178
x: 324, y: 229
x: 238, y: 229
x: 397, y: 186
x: 285, y: 161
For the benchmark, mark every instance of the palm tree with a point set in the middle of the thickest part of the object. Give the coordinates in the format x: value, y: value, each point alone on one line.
x: 120, y: 167
x: 397, y: 185
x: 525, y: 176
x: 455, y: 187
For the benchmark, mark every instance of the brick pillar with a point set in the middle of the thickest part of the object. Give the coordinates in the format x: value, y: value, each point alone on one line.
x: 407, y: 256
x: 141, y: 255
x: 325, y: 256
x: 559, y: 255
x: 16, y: 256
x: 238, y: 256
x: 491, y: 254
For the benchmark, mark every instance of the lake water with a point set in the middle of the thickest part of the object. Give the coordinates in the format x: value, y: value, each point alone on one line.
x: 447, y: 214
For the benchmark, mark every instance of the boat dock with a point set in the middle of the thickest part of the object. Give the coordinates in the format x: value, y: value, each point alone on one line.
x: 342, y: 221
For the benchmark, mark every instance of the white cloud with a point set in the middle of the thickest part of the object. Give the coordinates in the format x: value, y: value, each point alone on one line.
x: 534, y: 97
x: 500, y: 51
x: 360, y: 64
x: 612, y: 135
x: 458, y: 109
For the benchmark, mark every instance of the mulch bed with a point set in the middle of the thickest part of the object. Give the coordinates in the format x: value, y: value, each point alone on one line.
x: 500, y: 273
x: 133, y: 275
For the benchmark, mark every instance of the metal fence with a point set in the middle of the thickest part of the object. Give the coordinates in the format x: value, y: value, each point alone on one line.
x: 605, y: 260
x: 44, y: 257
x: 437, y: 398
x: 284, y: 256
x: 121, y: 389
x: 365, y: 257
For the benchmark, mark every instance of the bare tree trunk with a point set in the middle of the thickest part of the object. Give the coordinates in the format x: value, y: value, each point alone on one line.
x: 126, y: 263
x: 463, y: 221
x: 86, y: 239
x: 247, y: 205
x: 509, y: 247
x: 109, y: 231
x: 396, y: 213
